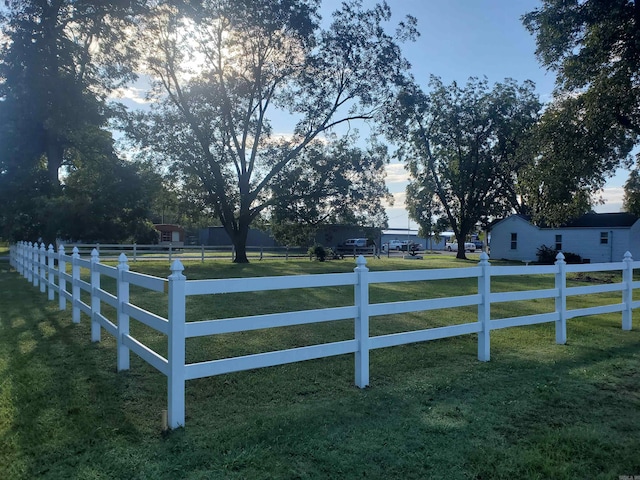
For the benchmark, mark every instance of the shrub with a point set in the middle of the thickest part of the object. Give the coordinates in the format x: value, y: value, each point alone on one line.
x: 547, y: 256
x: 319, y: 252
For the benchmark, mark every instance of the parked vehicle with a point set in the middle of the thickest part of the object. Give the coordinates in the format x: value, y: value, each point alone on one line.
x: 356, y: 242
x: 392, y: 245
x: 408, y: 246
x: 355, y: 246
x: 468, y: 247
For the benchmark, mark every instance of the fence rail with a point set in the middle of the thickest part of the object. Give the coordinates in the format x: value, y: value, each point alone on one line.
x: 136, y: 252
x: 48, y: 270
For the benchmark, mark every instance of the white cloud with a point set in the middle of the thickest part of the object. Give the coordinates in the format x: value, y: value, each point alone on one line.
x: 396, y: 173
x: 137, y: 95
x: 398, y: 201
x: 613, y: 197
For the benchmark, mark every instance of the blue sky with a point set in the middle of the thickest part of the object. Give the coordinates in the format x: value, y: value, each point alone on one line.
x: 459, y: 39
x: 463, y: 38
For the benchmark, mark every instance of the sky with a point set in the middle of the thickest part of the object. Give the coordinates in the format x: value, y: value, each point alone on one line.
x: 460, y: 39
x: 464, y: 38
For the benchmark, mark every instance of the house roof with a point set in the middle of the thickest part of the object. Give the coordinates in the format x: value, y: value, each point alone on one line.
x: 602, y: 220
x: 589, y: 220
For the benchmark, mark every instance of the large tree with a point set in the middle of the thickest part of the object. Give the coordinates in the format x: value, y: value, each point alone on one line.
x: 631, y: 199
x: 463, y: 149
x: 593, y: 46
x: 225, y: 70
x: 59, y: 60
x: 572, y: 152
x: 329, y: 183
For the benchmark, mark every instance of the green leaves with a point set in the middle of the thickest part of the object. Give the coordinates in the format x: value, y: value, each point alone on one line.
x: 594, y: 121
x: 258, y: 61
x: 461, y: 146
x: 328, y: 184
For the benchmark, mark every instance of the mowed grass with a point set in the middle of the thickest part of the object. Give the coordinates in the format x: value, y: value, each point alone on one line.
x: 536, y: 410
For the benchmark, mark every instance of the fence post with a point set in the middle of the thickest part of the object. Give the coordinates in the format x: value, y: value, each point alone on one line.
x: 561, y: 299
x: 177, y: 313
x: 261, y: 251
x: 19, y: 268
x: 17, y: 259
x: 122, y: 292
x: 170, y: 252
x: 25, y: 261
x: 51, y: 273
x: 62, y: 282
x: 135, y: 252
x: 627, y: 293
x: 95, y: 299
x: 286, y: 253
x: 202, y: 252
x: 362, y: 323
x: 75, y: 287
x: 35, y: 277
x: 43, y: 268
x: 28, y: 257
x: 484, y: 309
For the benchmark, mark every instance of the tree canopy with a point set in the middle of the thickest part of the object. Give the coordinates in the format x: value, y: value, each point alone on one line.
x: 329, y: 183
x: 593, y: 46
x: 462, y: 147
x: 58, y: 62
x: 224, y: 70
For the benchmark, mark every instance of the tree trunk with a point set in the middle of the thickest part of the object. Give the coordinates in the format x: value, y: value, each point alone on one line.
x: 55, y: 156
x: 240, y: 250
x: 239, y: 239
x: 461, y: 253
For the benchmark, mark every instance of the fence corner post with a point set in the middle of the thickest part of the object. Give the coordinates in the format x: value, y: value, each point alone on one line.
x: 627, y: 293
x: 561, y: 299
x: 176, y: 373
x: 62, y: 282
x: 362, y: 323
x: 484, y: 309
x: 51, y: 273
x: 75, y: 286
x: 122, y: 293
x: 95, y: 299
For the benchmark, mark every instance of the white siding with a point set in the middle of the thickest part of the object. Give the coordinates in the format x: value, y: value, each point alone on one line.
x: 527, y: 240
x: 582, y: 241
x: 634, y: 240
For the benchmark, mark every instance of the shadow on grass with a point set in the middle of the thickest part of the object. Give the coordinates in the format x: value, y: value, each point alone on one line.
x: 537, y: 410
x: 62, y: 394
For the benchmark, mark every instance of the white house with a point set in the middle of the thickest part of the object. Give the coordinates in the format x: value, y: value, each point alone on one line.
x: 596, y: 237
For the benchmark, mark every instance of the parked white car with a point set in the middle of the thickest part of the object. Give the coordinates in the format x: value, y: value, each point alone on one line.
x: 394, y: 245
x: 453, y: 247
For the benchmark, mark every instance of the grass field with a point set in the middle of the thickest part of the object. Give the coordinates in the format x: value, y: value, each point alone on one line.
x: 536, y: 410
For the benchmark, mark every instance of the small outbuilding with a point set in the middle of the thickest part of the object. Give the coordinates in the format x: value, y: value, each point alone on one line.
x: 596, y: 237
x: 169, y: 234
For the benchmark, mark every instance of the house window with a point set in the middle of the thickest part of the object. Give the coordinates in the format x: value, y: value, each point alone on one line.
x: 604, y: 238
x: 166, y: 237
x: 514, y: 241
x: 558, y: 242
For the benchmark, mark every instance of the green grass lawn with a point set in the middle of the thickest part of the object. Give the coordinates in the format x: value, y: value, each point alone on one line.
x: 536, y: 410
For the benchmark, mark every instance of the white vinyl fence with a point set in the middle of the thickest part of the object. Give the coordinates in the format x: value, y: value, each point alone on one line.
x: 48, y: 270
